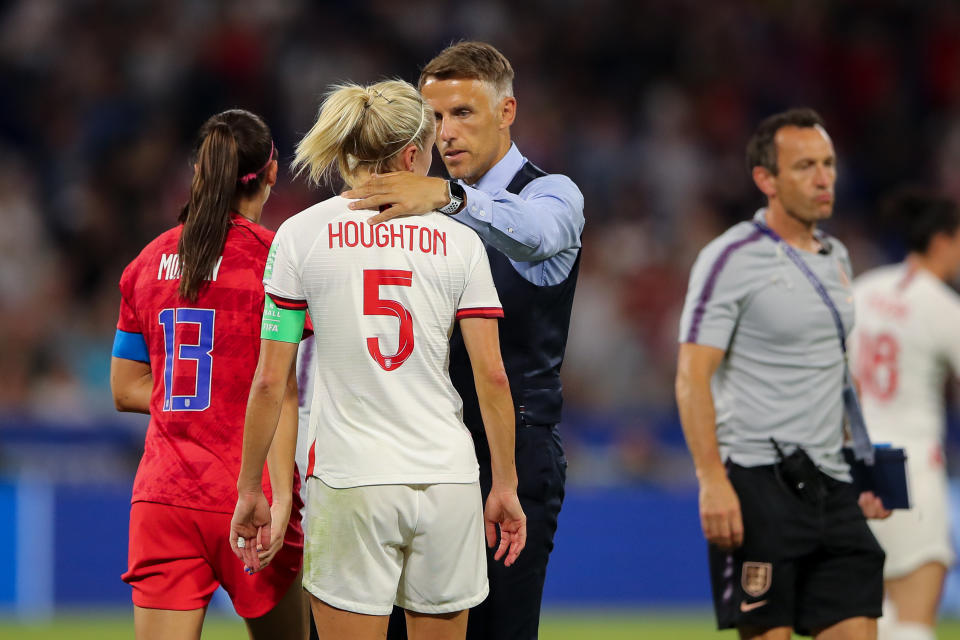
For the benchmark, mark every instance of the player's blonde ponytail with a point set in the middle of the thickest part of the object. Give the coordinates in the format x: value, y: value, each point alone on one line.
x: 362, y: 128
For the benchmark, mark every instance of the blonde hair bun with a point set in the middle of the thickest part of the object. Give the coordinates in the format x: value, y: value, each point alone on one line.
x: 362, y: 127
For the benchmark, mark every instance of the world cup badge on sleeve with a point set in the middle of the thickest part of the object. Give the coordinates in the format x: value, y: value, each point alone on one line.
x: 755, y: 578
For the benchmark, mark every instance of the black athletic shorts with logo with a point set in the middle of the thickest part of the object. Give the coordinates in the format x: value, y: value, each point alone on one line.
x: 802, y: 565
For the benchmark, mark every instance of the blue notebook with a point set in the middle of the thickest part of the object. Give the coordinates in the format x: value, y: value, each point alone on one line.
x: 887, y: 478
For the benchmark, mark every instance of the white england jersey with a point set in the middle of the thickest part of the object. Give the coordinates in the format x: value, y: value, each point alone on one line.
x: 383, y: 300
x: 906, y: 341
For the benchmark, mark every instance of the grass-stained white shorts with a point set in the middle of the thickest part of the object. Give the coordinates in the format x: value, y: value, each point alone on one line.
x: 420, y: 547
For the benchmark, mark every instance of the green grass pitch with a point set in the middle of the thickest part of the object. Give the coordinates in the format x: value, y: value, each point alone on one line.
x: 555, y: 626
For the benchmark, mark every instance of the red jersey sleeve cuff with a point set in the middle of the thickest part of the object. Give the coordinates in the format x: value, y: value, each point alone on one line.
x: 307, y: 327
x: 288, y: 304
x: 480, y: 312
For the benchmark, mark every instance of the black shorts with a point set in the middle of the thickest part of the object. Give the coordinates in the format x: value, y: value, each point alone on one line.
x: 802, y: 565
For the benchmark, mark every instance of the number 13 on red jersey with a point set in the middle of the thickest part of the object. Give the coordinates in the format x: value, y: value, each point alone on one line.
x: 200, y: 352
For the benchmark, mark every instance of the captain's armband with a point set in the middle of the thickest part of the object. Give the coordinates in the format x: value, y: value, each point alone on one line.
x: 283, y: 322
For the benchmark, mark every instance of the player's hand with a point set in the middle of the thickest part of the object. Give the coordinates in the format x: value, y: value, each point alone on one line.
x: 251, y: 523
x: 720, y: 514
x: 872, y: 506
x: 279, y: 519
x: 402, y: 193
x: 503, y: 509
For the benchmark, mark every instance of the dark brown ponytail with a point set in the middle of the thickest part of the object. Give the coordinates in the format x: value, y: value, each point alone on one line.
x: 231, y: 144
x: 208, y: 214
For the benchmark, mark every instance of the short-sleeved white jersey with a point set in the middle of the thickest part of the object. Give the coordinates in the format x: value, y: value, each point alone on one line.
x: 906, y: 341
x: 383, y: 300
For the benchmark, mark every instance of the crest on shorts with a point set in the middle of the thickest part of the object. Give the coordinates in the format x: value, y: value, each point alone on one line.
x: 755, y: 578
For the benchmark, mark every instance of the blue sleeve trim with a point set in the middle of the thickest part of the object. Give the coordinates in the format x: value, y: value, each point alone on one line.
x: 130, y: 346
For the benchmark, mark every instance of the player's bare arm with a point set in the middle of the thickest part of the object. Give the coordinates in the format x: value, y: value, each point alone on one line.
x: 496, y: 406
x: 252, y: 517
x: 280, y: 464
x: 720, y: 514
x: 131, y: 382
x: 403, y: 193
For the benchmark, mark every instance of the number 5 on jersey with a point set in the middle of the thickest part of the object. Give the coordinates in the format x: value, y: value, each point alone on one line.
x: 374, y: 305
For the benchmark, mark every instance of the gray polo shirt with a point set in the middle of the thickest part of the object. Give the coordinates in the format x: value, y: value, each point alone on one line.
x: 782, y: 376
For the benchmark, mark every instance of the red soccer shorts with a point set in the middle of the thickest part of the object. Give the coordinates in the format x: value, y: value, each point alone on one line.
x: 178, y: 557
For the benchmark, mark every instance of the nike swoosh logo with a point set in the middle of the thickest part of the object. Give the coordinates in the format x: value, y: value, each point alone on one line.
x: 745, y: 607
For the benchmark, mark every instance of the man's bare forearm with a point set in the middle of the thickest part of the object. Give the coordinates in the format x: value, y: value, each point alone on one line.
x: 698, y: 416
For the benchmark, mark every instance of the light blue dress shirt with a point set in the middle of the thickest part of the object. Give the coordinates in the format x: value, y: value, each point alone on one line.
x: 538, y: 230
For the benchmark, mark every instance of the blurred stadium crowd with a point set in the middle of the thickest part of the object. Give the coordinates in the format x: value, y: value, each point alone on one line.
x: 646, y: 105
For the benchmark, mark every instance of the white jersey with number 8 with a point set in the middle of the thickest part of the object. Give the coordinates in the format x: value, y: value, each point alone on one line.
x: 383, y: 300
x: 906, y: 341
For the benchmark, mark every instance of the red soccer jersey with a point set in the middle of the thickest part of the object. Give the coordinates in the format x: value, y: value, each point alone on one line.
x: 203, y: 357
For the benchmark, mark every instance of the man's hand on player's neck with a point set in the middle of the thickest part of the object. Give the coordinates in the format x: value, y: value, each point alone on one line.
x: 398, y: 194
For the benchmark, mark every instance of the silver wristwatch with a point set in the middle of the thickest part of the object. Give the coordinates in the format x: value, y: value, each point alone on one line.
x: 457, y: 196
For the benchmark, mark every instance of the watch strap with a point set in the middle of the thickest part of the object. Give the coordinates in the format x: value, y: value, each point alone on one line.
x: 457, y: 196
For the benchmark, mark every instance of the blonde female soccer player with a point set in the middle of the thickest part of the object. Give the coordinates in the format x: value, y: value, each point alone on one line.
x: 395, y: 512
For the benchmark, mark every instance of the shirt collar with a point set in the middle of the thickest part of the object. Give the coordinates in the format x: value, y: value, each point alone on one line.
x: 236, y: 218
x: 761, y: 217
x: 500, y: 174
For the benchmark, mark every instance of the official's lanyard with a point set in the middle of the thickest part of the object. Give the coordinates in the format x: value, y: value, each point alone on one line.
x: 862, y: 447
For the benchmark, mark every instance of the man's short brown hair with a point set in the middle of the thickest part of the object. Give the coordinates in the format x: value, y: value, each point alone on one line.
x: 472, y: 60
x: 762, y: 150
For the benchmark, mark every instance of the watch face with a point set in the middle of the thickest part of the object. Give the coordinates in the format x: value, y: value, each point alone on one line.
x: 457, y: 196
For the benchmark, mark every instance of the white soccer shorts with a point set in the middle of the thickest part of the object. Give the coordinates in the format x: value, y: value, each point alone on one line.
x: 912, y: 538
x: 420, y: 547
